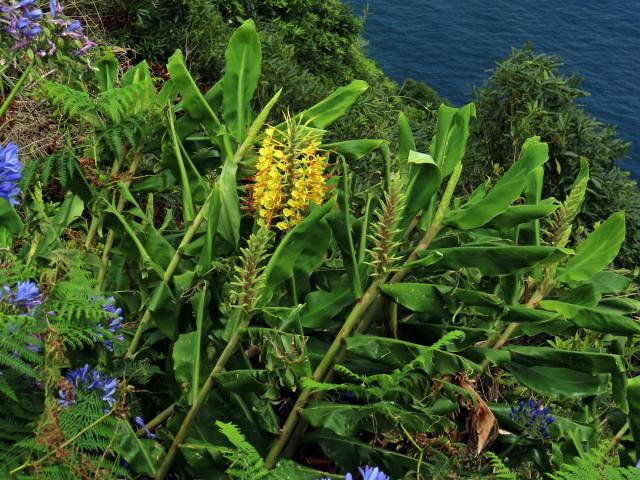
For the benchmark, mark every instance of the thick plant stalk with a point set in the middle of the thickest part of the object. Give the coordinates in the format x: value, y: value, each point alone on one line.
x: 248, y: 283
x: 96, y: 220
x: 253, y: 132
x: 122, y: 201
x: 370, y: 298
x: 201, y: 398
x: 171, y: 269
x: 498, y: 341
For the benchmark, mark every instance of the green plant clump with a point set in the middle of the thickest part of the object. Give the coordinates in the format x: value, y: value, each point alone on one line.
x: 203, y: 286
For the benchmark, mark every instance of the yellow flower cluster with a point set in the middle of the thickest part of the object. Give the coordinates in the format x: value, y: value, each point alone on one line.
x: 289, y: 176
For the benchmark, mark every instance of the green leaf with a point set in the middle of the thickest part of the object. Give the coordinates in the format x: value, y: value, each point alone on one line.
x: 192, y: 100
x: 350, y: 453
x: 558, y: 381
x: 406, y: 144
x: 633, y: 394
x: 107, y: 71
x: 397, y: 353
x: 70, y: 210
x: 588, y: 362
x: 473, y: 215
x: 497, y: 260
x: 424, y: 180
x: 333, y: 107
x: 136, y: 74
x: 519, y: 214
x: 597, y: 319
x: 596, y: 251
x: 353, y: 150
x: 300, y: 251
x: 9, y: 218
x: 184, y: 362
x: 187, y: 124
x: 452, y: 132
x: 320, y: 307
x: 243, y: 60
x: 226, y: 204
x: 142, y: 455
x: 417, y: 297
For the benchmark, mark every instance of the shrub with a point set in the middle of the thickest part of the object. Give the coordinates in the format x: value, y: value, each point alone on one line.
x: 528, y: 94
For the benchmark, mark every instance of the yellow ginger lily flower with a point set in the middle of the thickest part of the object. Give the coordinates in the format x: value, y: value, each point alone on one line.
x: 289, y: 176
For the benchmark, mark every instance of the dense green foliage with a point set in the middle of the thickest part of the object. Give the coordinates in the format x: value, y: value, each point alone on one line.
x: 527, y: 94
x: 203, y: 284
x: 310, y: 48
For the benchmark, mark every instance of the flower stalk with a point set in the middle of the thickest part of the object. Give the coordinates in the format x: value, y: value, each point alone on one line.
x: 247, y: 285
x: 371, y: 299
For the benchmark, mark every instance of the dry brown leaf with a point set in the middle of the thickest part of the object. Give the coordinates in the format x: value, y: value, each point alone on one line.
x: 482, y: 422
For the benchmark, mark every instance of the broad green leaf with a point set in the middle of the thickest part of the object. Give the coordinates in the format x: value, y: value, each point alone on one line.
x: 243, y: 60
x: 107, y: 71
x: 559, y: 381
x: 534, y: 153
x: 596, y: 319
x: 633, y: 394
x: 348, y: 420
x: 587, y: 362
x: 300, y: 251
x: 9, y: 218
x: 320, y: 307
x: 424, y: 180
x: 430, y: 298
x: 397, y: 353
x: 143, y: 455
x: 136, y: 74
x: 332, y: 108
x: 497, y: 260
x: 226, y: 204
x: 596, y: 251
x: 193, y: 101
x: 417, y: 297
x: 519, y: 214
x: 70, y: 210
x: 452, y: 132
x: 187, y: 196
x: 353, y: 150
x: 187, y: 124
x: 406, y: 144
x: 186, y: 362
x: 350, y: 453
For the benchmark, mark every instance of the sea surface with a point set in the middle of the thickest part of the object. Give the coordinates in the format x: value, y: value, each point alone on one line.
x: 450, y: 44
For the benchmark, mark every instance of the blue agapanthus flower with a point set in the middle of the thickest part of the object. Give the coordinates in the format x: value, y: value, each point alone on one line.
x: 368, y: 473
x: 83, y: 381
x: 23, y: 297
x: 114, y: 323
x: 140, y: 422
x: 533, y: 417
x: 10, y: 173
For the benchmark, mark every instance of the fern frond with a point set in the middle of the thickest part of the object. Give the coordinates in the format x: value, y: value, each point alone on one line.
x: 500, y: 470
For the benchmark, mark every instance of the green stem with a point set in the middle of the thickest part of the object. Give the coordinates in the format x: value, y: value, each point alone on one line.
x: 202, y: 396
x: 321, y: 370
x: 161, y: 418
x: 122, y: 201
x: 96, y: 220
x: 171, y: 269
x: 497, y: 342
x: 353, y: 321
x: 64, y: 444
x: 15, y: 90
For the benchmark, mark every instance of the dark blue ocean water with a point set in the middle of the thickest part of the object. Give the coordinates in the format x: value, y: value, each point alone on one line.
x: 449, y: 44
